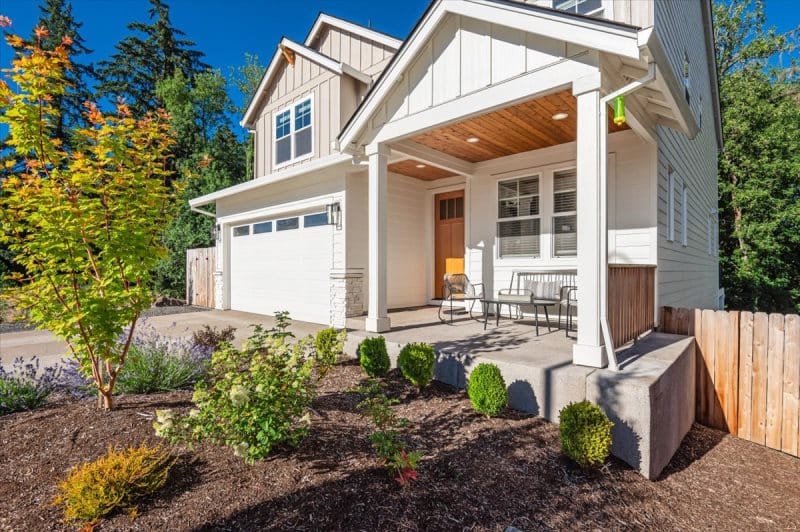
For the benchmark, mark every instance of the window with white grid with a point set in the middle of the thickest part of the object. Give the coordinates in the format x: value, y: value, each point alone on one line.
x: 519, y: 223
x: 565, y: 215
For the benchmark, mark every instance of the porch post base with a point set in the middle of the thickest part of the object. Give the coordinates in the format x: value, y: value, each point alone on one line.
x: 378, y: 325
x: 593, y: 356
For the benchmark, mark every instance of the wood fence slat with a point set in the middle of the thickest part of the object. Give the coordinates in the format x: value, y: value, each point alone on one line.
x: 758, y: 430
x: 721, y: 369
x: 200, y: 266
x: 709, y: 348
x: 790, y: 433
x: 695, y: 329
x: 774, y: 381
x: 745, y: 396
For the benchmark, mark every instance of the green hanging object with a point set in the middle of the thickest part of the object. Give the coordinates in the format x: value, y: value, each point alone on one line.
x: 619, y: 110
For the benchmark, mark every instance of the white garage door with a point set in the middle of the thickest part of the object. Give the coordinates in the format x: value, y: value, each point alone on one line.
x: 283, y: 264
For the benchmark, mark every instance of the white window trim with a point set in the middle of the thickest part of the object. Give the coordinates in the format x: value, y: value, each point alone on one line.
x: 685, y: 215
x: 554, y: 214
x: 291, y: 108
x: 606, y: 9
x: 671, y: 205
x: 498, y: 220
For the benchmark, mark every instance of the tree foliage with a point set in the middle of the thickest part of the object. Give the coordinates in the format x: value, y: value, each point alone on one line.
x: 759, y: 170
x: 246, y: 78
x: 155, y: 52
x: 83, y: 224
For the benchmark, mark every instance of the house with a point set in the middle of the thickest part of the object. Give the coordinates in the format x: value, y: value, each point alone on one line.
x: 484, y: 142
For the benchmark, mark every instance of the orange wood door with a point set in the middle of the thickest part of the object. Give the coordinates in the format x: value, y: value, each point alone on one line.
x: 449, y: 222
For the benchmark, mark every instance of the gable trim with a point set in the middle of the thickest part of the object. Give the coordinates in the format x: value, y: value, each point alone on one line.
x: 322, y: 60
x: 324, y: 19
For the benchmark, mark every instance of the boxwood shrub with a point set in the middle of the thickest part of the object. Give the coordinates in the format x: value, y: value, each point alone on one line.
x: 373, y: 357
x: 585, y: 433
x: 487, y: 390
x: 416, y: 363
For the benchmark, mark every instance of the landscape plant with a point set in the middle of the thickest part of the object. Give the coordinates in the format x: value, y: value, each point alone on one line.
x: 387, y: 436
x: 487, y: 390
x: 26, y: 386
x: 585, y: 432
x: 113, y: 482
x: 329, y: 345
x: 373, y: 357
x: 416, y: 362
x: 252, y: 399
x: 209, y: 339
x: 82, y: 224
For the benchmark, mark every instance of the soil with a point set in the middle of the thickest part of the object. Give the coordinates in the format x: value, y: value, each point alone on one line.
x: 476, y: 473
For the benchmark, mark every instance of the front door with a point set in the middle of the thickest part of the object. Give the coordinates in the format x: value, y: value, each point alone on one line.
x: 449, y: 220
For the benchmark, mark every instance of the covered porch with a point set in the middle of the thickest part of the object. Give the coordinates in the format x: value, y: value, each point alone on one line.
x: 527, y: 144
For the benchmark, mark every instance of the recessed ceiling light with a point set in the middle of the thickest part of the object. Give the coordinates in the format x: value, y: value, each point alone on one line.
x: 560, y: 116
x: 420, y: 166
x: 473, y: 140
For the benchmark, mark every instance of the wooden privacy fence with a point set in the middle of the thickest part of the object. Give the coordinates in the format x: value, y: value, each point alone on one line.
x: 631, y: 301
x: 200, y: 266
x: 748, y: 372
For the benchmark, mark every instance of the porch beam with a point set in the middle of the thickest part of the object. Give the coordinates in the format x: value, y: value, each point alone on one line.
x: 378, y: 198
x: 589, y: 351
x: 414, y: 150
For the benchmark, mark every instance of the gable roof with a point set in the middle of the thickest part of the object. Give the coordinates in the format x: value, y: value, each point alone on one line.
x: 305, y: 50
x: 324, y: 19
x: 597, y: 33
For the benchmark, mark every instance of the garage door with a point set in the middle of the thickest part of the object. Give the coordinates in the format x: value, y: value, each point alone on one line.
x: 283, y: 264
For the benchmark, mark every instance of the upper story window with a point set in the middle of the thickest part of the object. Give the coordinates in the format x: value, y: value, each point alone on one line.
x: 580, y: 7
x: 294, y: 132
x: 519, y: 224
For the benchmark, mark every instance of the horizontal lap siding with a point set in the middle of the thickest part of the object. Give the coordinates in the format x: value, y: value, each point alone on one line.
x: 687, y: 275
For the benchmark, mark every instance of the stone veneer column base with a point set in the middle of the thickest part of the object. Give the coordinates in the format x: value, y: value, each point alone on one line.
x: 347, y: 296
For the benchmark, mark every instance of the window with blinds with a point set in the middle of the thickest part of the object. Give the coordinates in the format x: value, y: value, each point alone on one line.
x: 565, y: 219
x: 518, y: 225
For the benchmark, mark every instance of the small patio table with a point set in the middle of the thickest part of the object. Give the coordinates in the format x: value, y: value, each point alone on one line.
x: 516, y: 299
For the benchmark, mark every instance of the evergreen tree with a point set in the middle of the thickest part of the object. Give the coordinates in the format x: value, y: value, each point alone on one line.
x: 155, y: 52
x: 759, y: 169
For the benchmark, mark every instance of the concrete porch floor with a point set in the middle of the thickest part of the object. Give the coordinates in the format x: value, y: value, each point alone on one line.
x: 650, y: 400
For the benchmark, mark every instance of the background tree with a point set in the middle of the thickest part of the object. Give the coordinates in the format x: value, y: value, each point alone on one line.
x: 154, y: 53
x: 246, y: 79
x: 84, y: 224
x: 759, y: 169
x: 208, y: 149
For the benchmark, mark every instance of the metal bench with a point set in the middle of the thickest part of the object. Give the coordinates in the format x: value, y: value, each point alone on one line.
x: 532, y: 290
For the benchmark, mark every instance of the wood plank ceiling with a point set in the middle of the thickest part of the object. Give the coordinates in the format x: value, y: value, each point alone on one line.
x: 519, y: 128
x: 410, y: 168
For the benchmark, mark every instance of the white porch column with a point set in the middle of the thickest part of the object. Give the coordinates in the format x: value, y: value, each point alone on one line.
x: 589, y: 351
x: 377, y: 315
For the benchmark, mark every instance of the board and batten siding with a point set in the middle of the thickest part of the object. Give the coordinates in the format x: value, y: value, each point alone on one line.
x: 465, y: 55
x: 360, y: 53
x: 688, y: 276
x: 633, y: 12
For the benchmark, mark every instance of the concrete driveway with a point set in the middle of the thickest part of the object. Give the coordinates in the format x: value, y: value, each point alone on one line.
x: 50, y: 349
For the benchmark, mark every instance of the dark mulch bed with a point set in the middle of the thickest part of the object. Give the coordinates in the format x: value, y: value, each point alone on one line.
x: 477, y: 473
x: 16, y: 326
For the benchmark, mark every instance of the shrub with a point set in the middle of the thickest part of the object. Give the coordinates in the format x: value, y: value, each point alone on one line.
x: 113, y: 482
x: 585, y: 433
x: 210, y: 338
x: 487, y: 390
x: 416, y: 362
x: 329, y: 345
x: 252, y: 399
x: 373, y: 357
x: 25, y: 387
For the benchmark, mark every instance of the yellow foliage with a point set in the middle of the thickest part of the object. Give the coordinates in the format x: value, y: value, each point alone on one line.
x: 113, y: 482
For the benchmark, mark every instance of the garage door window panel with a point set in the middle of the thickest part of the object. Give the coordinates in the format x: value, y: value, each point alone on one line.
x: 263, y: 227
x: 315, y: 220
x: 242, y: 230
x: 287, y: 224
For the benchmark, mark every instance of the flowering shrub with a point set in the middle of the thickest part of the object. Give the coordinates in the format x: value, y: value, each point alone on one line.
x: 252, y: 399
x: 25, y: 387
x: 386, y: 439
x: 113, y: 482
x: 329, y: 345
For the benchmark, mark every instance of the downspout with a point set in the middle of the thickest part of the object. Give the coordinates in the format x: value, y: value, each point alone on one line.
x: 604, y: 102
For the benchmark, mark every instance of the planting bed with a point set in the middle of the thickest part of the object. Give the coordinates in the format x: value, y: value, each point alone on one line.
x: 476, y: 473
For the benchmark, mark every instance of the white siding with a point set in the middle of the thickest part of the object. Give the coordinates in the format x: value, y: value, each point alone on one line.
x: 687, y: 276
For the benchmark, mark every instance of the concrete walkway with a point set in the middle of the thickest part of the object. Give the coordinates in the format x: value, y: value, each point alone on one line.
x: 50, y: 349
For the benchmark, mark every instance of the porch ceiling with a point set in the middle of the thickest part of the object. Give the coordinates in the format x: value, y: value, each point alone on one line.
x: 419, y: 170
x: 519, y: 128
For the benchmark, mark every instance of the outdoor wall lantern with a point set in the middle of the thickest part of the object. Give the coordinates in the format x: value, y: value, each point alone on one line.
x: 335, y: 214
x: 619, y: 110
x: 215, y: 232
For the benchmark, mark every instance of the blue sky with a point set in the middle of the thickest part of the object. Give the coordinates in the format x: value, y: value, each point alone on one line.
x: 225, y: 29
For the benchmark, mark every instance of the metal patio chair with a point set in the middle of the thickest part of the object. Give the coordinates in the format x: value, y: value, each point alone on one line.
x: 570, y: 301
x: 457, y: 287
